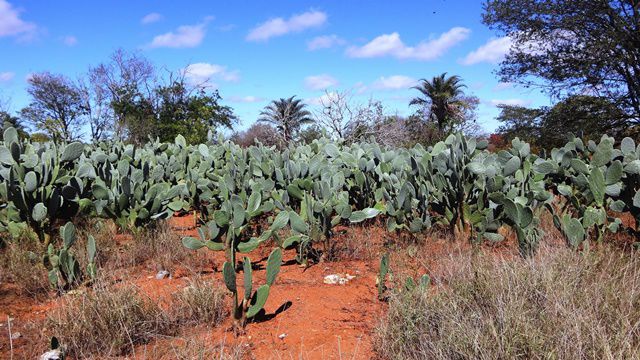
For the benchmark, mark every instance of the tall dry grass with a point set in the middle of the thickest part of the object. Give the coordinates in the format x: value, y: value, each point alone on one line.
x: 558, y: 305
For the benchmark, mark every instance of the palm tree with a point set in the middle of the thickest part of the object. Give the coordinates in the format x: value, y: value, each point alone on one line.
x: 287, y: 115
x: 442, y: 95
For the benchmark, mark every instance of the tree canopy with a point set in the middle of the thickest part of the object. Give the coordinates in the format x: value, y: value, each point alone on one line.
x: 573, y: 47
x: 588, y: 117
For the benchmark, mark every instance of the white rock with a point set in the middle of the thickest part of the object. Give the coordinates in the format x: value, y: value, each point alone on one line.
x: 51, y: 355
x: 341, y: 279
x: 162, y: 274
x: 282, y: 336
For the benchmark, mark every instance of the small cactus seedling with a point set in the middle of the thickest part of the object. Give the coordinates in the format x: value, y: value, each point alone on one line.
x: 252, y: 301
x: 64, y: 269
x: 382, y: 274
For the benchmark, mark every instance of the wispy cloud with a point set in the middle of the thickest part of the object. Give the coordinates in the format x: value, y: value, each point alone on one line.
x: 503, y: 86
x: 392, y: 45
x: 279, y: 26
x: 206, y: 75
x: 320, y: 82
x: 151, y: 18
x: 70, y: 40
x: 511, y: 102
x: 12, y: 25
x: 186, y: 36
x: 395, y: 82
x: 493, y: 51
x: 246, y: 99
x: 325, y: 42
x: 6, y: 76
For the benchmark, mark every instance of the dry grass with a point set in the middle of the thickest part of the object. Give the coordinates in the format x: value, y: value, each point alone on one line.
x: 115, y: 320
x: 201, y: 302
x: 21, y: 264
x: 194, y: 347
x: 108, y: 322
x: 157, y: 248
x: 559, y: 305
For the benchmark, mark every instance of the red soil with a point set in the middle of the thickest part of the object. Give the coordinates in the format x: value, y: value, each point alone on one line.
x: 304, y: 318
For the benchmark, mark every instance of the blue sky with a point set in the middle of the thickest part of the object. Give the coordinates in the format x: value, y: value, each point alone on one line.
x: 256, y: 51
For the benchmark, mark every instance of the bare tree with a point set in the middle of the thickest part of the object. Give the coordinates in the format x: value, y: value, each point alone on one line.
x: 124, y: 79
x: 346, y: 119
x: 99, y: 112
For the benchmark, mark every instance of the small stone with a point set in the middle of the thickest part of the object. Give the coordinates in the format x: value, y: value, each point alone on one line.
x: 52, y: 355
x: 162, y: 274
x: 15, y: 335
x: 282, y: 336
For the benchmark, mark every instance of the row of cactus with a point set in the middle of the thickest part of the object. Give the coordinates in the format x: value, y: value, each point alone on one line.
x: 456, y: 183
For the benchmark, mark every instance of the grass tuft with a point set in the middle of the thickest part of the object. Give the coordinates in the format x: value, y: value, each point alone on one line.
x: 107, y: 322
x: 201, y: 302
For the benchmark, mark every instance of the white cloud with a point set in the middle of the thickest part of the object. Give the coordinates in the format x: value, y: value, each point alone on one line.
x: 11, y: 24
x: 320, y: 82
x: 186, y: 36
x: 6, y: 76
x: 70, y: 40
x: 503, y: 86
x: 325, y: 42
x: 246, y: 99
x: 392, y: 45
x: 151, y: 18
x: 491, y: 52
x: 322, y: 99
x: 279, y: 26
x: 511, y: 102
x: 395, y: 82
x: 205, y: 74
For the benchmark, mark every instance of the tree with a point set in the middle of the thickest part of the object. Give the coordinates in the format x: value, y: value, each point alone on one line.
x: 346, y: 119
x: 7, y: 120
x: 572, y: 47
x: 191, y: 112
x: 258, y: 132
x: 287, y: 115
x: 56, y: 106
x: 126, y: 82
x: 521, y: 122
x: 440, y: 100
x: 310, y: 133
x: 588, y: 117
x: 99, y: 110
